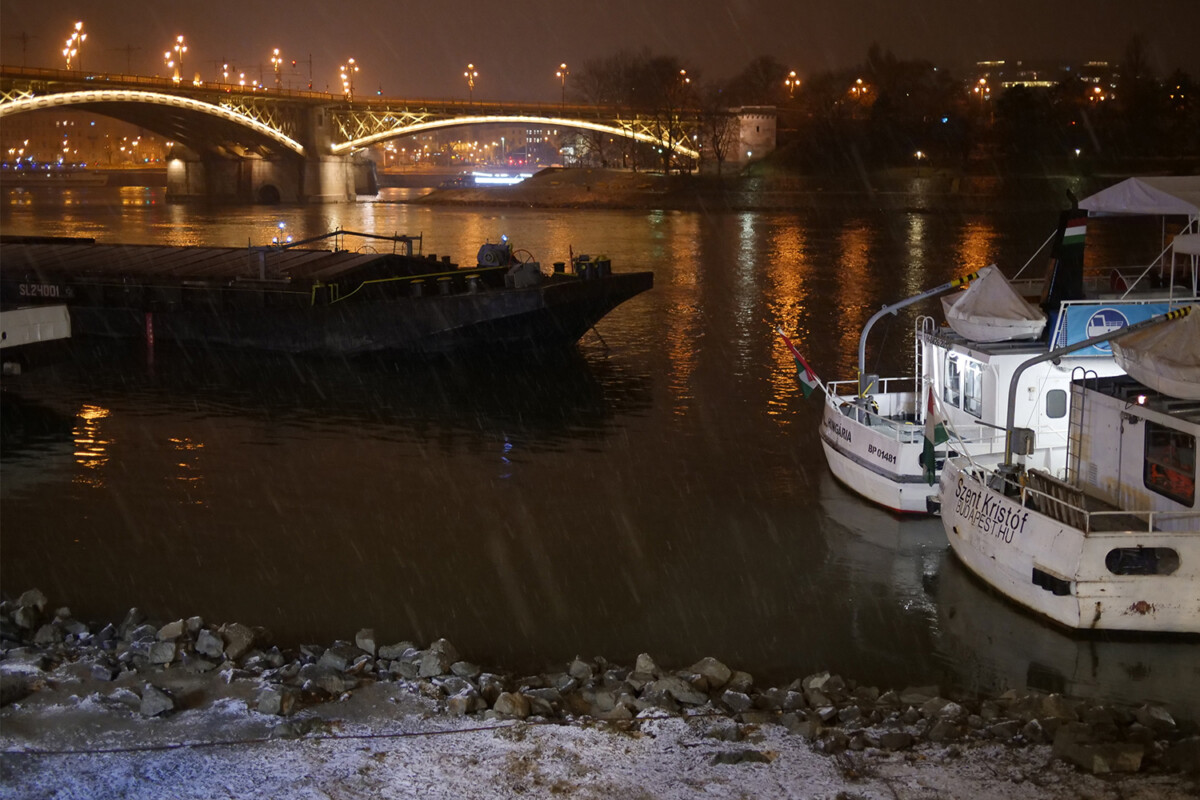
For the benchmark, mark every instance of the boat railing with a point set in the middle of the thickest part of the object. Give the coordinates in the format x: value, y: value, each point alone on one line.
x: 1067, y: 503
x: 881, y: 386
x: 900, y: 420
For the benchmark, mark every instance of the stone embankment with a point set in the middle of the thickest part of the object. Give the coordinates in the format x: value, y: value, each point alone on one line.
x: 136, y: 658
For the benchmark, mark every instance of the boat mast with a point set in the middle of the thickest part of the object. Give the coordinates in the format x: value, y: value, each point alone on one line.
x: 864, y: 385
x: 1055, y: 354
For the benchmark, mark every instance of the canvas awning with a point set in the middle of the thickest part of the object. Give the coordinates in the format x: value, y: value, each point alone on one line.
x: 1164, y: 357
x: 1154, y: 196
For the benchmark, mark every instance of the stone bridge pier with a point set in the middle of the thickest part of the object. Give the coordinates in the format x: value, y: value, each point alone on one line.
x: 279, y: 175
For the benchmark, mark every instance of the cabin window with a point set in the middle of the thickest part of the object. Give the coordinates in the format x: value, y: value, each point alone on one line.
x: 972, y: 388
x: 1056, y: 403
x: 1170, y: 467
x: 952, y: 386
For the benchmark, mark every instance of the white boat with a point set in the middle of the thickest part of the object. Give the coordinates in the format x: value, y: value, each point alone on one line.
x: 1114, y: 545
x: 872, y: 429
x: 25, y: 331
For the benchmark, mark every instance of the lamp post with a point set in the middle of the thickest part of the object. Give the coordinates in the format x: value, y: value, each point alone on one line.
x: 176, y: 62
x: 180, y: 48
x: 277, y: 65
x: 791, y: 82
x: 348, y: 70
x: 562, y: 79
x: 75, y: 46
x: 471, y: 74
x: 983, y: 90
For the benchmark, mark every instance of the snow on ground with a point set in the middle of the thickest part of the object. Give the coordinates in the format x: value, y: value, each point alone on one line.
x: 387, y: 743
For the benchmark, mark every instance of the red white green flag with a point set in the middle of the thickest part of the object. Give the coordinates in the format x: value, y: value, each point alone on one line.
x: 809, y: 382
x: 1075, y: 231
x: 935, y: 434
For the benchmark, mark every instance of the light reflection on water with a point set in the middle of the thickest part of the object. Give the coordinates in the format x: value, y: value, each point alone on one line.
x: 661, y: 489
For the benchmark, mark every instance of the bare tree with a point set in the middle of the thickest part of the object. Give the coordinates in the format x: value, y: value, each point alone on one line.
x: 719, y: 127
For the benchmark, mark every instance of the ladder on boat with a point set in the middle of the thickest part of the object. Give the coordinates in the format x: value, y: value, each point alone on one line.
x: 1075, y: 422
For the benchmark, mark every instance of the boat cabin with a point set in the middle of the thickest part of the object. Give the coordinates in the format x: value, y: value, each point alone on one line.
x: 1138, y: 448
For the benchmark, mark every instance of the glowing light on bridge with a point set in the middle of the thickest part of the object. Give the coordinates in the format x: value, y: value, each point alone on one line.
x: 498, y: 119
x: 471, y: 74
x: 174, y: 101
x: 277, y: 65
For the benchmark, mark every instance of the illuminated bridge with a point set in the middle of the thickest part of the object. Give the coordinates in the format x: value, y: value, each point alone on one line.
x: 245, y: 144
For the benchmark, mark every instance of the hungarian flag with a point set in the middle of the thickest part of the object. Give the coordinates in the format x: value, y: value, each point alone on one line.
x: 935, y: 434
x: 807, y: 378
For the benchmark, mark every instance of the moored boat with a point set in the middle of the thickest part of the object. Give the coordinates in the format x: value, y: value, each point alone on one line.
x: 873, y: 430
x: 296, y: 298
x: 1115, y: 544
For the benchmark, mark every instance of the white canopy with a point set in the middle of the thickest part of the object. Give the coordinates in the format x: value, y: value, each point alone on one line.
x: 1157, y: 195
x: 990, y: 310
x: 1187, y: 244
x: 1164, y: 357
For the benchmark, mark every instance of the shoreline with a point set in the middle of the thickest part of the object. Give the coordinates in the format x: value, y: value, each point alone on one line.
x: 141, y: 686
x: 917, y: 191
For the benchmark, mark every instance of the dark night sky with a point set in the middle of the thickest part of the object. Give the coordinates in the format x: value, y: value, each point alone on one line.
x: 420, y: 48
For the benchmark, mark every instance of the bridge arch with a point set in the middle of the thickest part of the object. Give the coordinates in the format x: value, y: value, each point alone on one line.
x: 133, y: 96
x: 501, y: 119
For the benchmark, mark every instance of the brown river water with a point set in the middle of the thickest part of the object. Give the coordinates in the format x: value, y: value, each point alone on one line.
x: 658, y: 489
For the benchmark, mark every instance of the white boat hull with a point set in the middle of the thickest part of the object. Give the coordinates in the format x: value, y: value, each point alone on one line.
x: 1059, y: 572
x: 881, y: 459
x: 874, y: 465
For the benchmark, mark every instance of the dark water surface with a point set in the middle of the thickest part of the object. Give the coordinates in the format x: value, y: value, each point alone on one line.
x: 659, y: 489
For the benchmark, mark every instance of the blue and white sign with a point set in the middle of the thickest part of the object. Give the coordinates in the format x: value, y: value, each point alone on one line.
x: 1086, y: 321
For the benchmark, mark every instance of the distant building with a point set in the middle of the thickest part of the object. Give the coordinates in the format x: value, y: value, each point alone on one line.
x: 78, y: 137
x: 756, y: 133
x: 1003, y: 74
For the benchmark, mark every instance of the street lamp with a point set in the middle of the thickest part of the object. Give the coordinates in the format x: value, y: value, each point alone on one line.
x: 348, y: 70
x: 471, y: 74
x: 277, y: 65
x: 75, y: 46
x: 791, y: 82
x: 562, y: 78
x: 983, y: 90
x: 176, y: 62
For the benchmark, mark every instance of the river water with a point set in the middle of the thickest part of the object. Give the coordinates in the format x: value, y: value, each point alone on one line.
x: 659, y: 489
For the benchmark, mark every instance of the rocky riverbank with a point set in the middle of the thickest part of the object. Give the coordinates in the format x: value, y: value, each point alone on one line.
x: 125, y: 690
